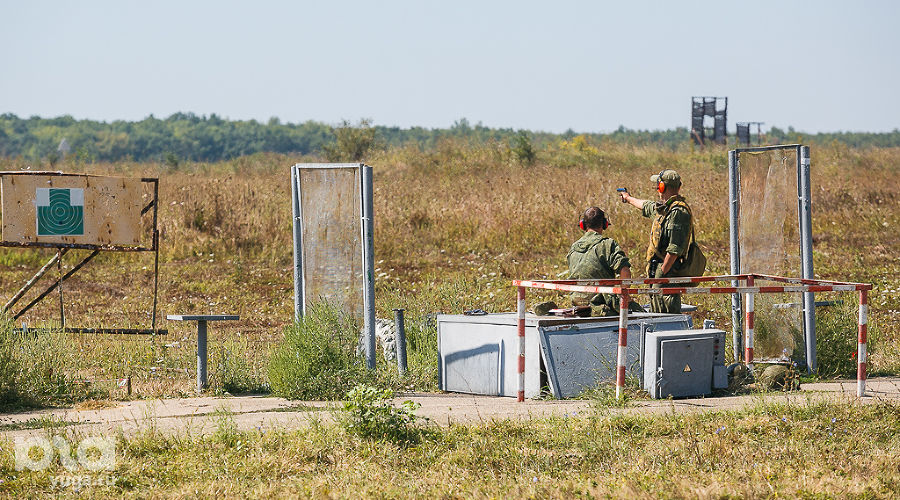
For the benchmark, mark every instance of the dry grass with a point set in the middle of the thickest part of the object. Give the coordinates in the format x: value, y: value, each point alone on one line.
x: 453, y: 226
x: 821, y: 450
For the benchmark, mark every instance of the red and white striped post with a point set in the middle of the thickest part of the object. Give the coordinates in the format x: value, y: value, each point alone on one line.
x: 520, y: 309
x: 861, y: 343
x: 623, y: 344
x: 749, y: 323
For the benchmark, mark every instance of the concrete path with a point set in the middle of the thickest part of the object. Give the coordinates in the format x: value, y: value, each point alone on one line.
x: 203, y: 415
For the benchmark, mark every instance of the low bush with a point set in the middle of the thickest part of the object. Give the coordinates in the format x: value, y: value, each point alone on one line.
x: 368, y: 413
x: 317, y: 360
x: 836, y: 336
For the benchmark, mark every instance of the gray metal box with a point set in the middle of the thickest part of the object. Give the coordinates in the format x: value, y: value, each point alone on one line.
x: 684, y: 363
x: 478, y: 354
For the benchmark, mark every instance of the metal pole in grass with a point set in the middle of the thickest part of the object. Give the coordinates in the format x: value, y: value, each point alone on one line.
x: 623, y: 344
x: 861, y: 343
x: 368, y: 262
x: 734, y: 189
x: 400, y: 340
x: 201, y: 355
x: 750, y: 320
x: 298, y: 249
x: 520, y: 326
x: 806, y: 255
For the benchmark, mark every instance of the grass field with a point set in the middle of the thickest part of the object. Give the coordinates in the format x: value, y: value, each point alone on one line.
x: 453, y: 226
x: 814, y: 450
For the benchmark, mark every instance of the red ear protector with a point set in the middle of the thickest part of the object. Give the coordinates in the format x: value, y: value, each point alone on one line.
x: 661, y: 187
x: 603, y: 224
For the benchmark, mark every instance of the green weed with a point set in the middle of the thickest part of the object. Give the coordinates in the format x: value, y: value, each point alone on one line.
x: 369, y: 413
x: 317, y: 358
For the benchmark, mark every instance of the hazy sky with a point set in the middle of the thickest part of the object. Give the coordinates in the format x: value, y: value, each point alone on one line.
x: 548, y: 65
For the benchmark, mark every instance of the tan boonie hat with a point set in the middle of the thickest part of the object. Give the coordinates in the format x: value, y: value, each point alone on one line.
x: 668, y: 177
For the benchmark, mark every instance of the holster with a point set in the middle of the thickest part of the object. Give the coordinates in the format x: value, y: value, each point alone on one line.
x: 653, y: 266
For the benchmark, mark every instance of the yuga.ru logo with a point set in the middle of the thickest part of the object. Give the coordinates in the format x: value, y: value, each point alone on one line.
x: 92, y: 453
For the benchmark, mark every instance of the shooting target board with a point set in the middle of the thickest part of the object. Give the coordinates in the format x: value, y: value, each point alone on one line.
x: 47, y: 208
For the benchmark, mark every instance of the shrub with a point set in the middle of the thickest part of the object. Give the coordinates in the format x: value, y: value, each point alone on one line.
x: 836, y: 334
x: 522, y: 148
x: 368, y: 413
x: 352, y: 142
x: 38, y: 368
x: 317, y: 359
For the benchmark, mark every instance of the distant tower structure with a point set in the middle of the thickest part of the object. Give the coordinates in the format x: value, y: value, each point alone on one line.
x: 743, y: 132
x: 714, y: 129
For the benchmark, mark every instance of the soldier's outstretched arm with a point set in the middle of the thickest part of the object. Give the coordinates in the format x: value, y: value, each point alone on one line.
x: 631, y: 200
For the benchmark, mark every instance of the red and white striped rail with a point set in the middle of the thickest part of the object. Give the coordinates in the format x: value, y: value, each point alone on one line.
x: 623, y: 344
x: 520, y: 309
x: 861, y: 343
x: 750, y: 324
x: 627, y: 287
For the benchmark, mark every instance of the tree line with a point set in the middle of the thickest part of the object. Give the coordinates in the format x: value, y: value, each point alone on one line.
x: 186, y: 136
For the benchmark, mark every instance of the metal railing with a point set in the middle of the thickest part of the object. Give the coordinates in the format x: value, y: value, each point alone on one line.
x: 625, y: 288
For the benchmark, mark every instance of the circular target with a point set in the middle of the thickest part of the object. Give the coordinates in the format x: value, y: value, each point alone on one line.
x: 60, y: 217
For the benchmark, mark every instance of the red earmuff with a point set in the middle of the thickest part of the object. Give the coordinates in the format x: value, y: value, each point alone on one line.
x: 581, y: 225
x: 661, y: 187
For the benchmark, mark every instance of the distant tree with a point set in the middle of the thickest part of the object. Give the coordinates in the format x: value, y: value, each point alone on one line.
x: 352, y: 142
x: 522, y: 148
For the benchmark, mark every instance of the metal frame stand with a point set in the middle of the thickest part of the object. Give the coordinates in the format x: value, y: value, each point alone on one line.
x: 804, y: 215
x: 62, y: 249
x: 366, y: 228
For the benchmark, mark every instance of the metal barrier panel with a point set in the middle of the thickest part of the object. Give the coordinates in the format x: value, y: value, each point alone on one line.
x: 333, y: 241
x: 330, y: 236
x: 770, y: 240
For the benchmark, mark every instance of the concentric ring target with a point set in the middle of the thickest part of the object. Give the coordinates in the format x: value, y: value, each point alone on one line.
x: 61, y: 216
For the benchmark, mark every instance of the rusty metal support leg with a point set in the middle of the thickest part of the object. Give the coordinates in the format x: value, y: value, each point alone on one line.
x: 155, y: 252
x: 59, y: 278
x: 41, y: 272
x: 53, y: 286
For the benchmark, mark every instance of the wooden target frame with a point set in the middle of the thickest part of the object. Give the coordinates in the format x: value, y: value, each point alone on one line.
x: 66, y: 218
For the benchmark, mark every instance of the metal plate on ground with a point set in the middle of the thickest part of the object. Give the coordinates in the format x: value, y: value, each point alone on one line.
x: 577, y: 357
x: 475, y: 370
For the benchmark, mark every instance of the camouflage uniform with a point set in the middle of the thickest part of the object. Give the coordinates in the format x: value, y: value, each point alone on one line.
x: 669, y: 233
x: 597, y: 257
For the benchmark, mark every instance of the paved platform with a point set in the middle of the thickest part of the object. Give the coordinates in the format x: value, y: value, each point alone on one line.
x: 203, y: 415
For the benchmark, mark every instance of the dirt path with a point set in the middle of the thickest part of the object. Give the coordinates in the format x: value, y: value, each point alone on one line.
x: 204, y: 415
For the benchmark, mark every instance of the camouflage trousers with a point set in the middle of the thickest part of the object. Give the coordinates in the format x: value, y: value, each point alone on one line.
x: 670, y: 304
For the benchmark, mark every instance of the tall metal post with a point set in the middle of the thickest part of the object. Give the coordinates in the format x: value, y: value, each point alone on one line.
x: 201, y: 355
x: 298, y: 249
x: 734, y: 190
x: 806, y: 255
x: 368, y: 262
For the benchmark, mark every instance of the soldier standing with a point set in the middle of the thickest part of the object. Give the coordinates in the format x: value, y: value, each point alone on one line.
x: 670, y: 234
